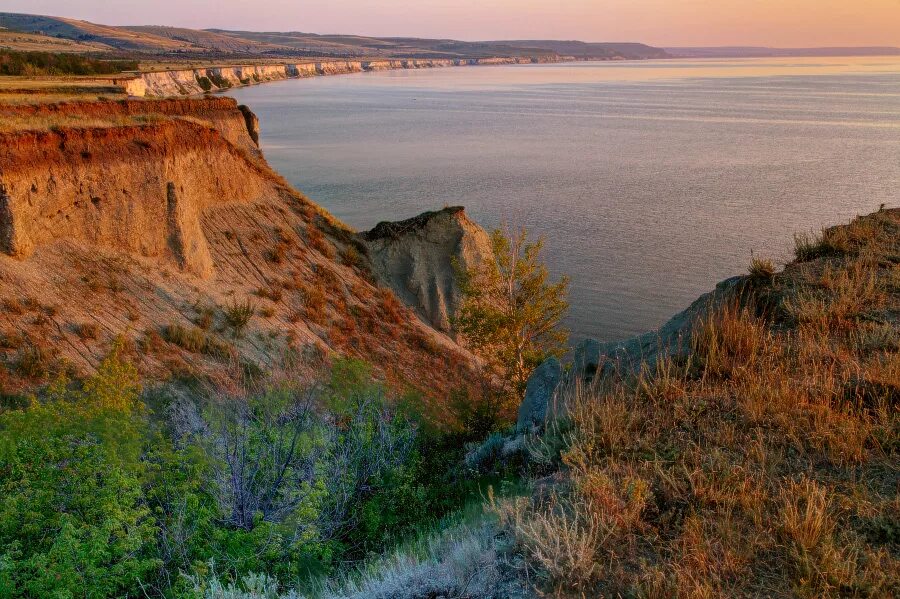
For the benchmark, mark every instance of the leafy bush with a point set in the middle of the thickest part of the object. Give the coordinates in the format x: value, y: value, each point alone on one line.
x: 100, y: 495
x: 71, y: 510
x: 510, y: 313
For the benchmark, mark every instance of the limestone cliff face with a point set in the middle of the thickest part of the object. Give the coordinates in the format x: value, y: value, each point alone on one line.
x: 159, y: 214
x: 186, y: 82
x: 415, y: 257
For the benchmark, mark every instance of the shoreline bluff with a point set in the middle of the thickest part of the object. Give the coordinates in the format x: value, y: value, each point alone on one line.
x: 198, y: 81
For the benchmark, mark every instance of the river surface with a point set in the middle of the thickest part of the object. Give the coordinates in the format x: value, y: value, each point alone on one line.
x: 650, y: 181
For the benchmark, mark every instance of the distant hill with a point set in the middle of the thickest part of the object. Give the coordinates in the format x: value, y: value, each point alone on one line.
x: 761, y: 51
x: 119, y: 38
x: 218, y: 43
x: 207, y: 40
x: 585, y: 50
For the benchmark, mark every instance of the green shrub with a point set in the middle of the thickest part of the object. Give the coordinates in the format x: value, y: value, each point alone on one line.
x: 72, y: 519
x: 204, y: 83
x: 99, y: 499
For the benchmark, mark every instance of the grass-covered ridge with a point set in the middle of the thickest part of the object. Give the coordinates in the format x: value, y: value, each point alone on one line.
x: 765, y: 465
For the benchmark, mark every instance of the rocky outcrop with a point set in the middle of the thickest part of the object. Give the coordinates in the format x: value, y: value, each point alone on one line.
x: 187, y: 82
x: 594, y: 359
x: 252, y: 122
x: 539, y: 393
x: 417, y: 258
x: 672, y: 340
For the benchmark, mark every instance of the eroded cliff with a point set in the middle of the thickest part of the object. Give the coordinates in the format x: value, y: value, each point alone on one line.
x: 161, y: 230
x: 418, y: 258
x: 186, y: 82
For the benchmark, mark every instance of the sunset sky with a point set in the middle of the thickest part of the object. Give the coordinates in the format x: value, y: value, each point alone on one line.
x: 787, y: 23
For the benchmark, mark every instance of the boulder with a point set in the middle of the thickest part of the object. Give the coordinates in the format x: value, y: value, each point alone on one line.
x: 539, y: 392
x: 588, y: 355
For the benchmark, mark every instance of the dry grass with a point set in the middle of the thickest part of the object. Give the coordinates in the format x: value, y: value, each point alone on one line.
x: 238, y: 315
x: 11, y: 339
x: 197, y: 341
x: 390, y: 308
x: 766, y: 465
x: 34, y: 361
x: 13, y: 306
x: 314, y: 304
x: 273, y: 293
x: 351, y: 257
x: 12, y: 123
x: 87, y: 331
x: 316, y: 240
x: 761, y: 268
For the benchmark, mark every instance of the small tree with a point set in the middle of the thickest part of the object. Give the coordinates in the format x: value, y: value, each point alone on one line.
x: 510, y: 311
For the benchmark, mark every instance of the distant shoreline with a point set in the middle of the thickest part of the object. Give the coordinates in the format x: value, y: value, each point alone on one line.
x: 202, y: 80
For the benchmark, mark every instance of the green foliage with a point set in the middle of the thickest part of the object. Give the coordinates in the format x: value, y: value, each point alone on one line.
x: 265, y: 449
x: 100, y: 497
x: 71, y: 510
x: 204, y: 83
x: 46, y: 63
x: 510, y: 313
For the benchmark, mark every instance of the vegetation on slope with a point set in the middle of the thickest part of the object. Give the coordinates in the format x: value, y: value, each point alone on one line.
x: 511, y: 313
x: 111, y: 490
x: 45, y: 63
x: 765, y: 465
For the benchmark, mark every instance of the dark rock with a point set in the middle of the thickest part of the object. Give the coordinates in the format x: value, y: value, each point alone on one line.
x: 539, y: 392
x: 588, y: 356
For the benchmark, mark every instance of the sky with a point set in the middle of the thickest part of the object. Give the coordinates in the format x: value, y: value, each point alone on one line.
x: 783, y: 23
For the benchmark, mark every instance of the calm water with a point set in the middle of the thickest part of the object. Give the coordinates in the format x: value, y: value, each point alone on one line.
x: 650, y: 181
